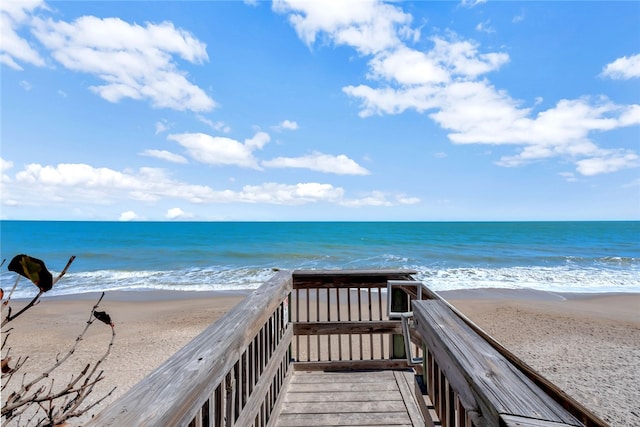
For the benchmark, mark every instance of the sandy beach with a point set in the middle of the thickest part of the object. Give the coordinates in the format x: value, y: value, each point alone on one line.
x: 588, y: 345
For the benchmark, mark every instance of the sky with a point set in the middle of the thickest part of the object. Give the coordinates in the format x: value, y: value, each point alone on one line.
x: 320, y: 110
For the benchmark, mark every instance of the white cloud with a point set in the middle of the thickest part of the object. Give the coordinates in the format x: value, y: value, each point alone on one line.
x: 447, y: 82
x: 161, y: 126
x: 177, y: 213
x: 485, y: 27
x: 608, y: 161
x: 287, y: 125
x: 471, y: 3
x: 286, y: 194
x: 369, y: 26
x: 220, y: 126
x: 82, y: 183
x: 38, y: 185
x: 378, y: 198
x: 25, y: 85
x: 128, y: 216
x: 462, y: 57
x: 133, y: 61
x: 340, y: 164
x: 164, y: 155
x: 623, y: 68
x: 218, y: 150
x: 407, y: 66
x: 5, y: 165
x: 14, y: 15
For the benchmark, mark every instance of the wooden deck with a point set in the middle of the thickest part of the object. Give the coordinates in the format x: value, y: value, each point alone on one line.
x: 368, y: 398
x: 312, y: 348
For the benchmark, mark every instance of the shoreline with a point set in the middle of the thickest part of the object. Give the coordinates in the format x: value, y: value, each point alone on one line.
x: 472, y: 293
x: 587, y: 344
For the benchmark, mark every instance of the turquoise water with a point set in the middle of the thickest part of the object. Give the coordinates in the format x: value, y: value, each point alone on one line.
x: 551, y: 256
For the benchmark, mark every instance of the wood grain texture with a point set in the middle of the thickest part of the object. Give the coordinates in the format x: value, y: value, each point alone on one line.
x: 484, y: 380
x: 174, y: 392
x: 348, y: 399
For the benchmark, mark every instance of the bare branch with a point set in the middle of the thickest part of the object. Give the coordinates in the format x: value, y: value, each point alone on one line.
x: 64, y: 271
x: 12, y: 289
x: 9, y: 318
x: 69, y: 398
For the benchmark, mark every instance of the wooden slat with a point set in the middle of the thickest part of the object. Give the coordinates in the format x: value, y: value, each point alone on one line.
x: 340, y: 278
x: 254, y: 402
x: 357, y: 419
x: 344, y: 396
x: 342, y: 407
x: 337, y: 387
x: 483, y: 378
x: 346, y: 365
x: 348, y: 398
x: 281, y: 397
x: 402, y: 379
x: 348, y: 377
x: 514, y: 421
x: 334, y: 328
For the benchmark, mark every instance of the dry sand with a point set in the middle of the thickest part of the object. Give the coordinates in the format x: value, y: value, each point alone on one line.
x: 587, y: 345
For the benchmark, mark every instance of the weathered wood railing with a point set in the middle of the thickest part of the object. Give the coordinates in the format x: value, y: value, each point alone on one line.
x: 229, y: 375
x: 445, y: 403
x: 340, y: 320
x: 471, y: 383
x: 234, y: 373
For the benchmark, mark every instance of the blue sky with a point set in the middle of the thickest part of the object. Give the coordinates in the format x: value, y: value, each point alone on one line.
x: 288, y: 110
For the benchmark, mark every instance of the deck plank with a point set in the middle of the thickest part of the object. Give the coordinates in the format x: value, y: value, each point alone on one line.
x: 373, y: 398
x: 332, y: 387
x: 355, y: 419
x: 344, y: 396
x: 405, y: 380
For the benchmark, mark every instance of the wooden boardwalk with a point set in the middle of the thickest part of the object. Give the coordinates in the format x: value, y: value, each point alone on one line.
x: 369, y: 398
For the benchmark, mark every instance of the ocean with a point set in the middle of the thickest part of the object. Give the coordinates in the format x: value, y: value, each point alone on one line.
x: 587, y: 257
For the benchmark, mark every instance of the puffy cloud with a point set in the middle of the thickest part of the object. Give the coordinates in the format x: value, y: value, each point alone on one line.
x: 341, y: 164
x: 408, y: 67
x: 218, y: 150
x: 369, y: 26
x: 5, y: 165
x: 623, y: 68
x: 128, y: 216
x: 608, y: 161
x: 296, y: 194
x: 177, y: 213
x: 14, y: 14
x: 379, y: 198
x: 134, y: 61
x: 164, y: 155
x: 447, y: 82
x: 287, y: 125
x: 38, y: 185
x: 462, y: 57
